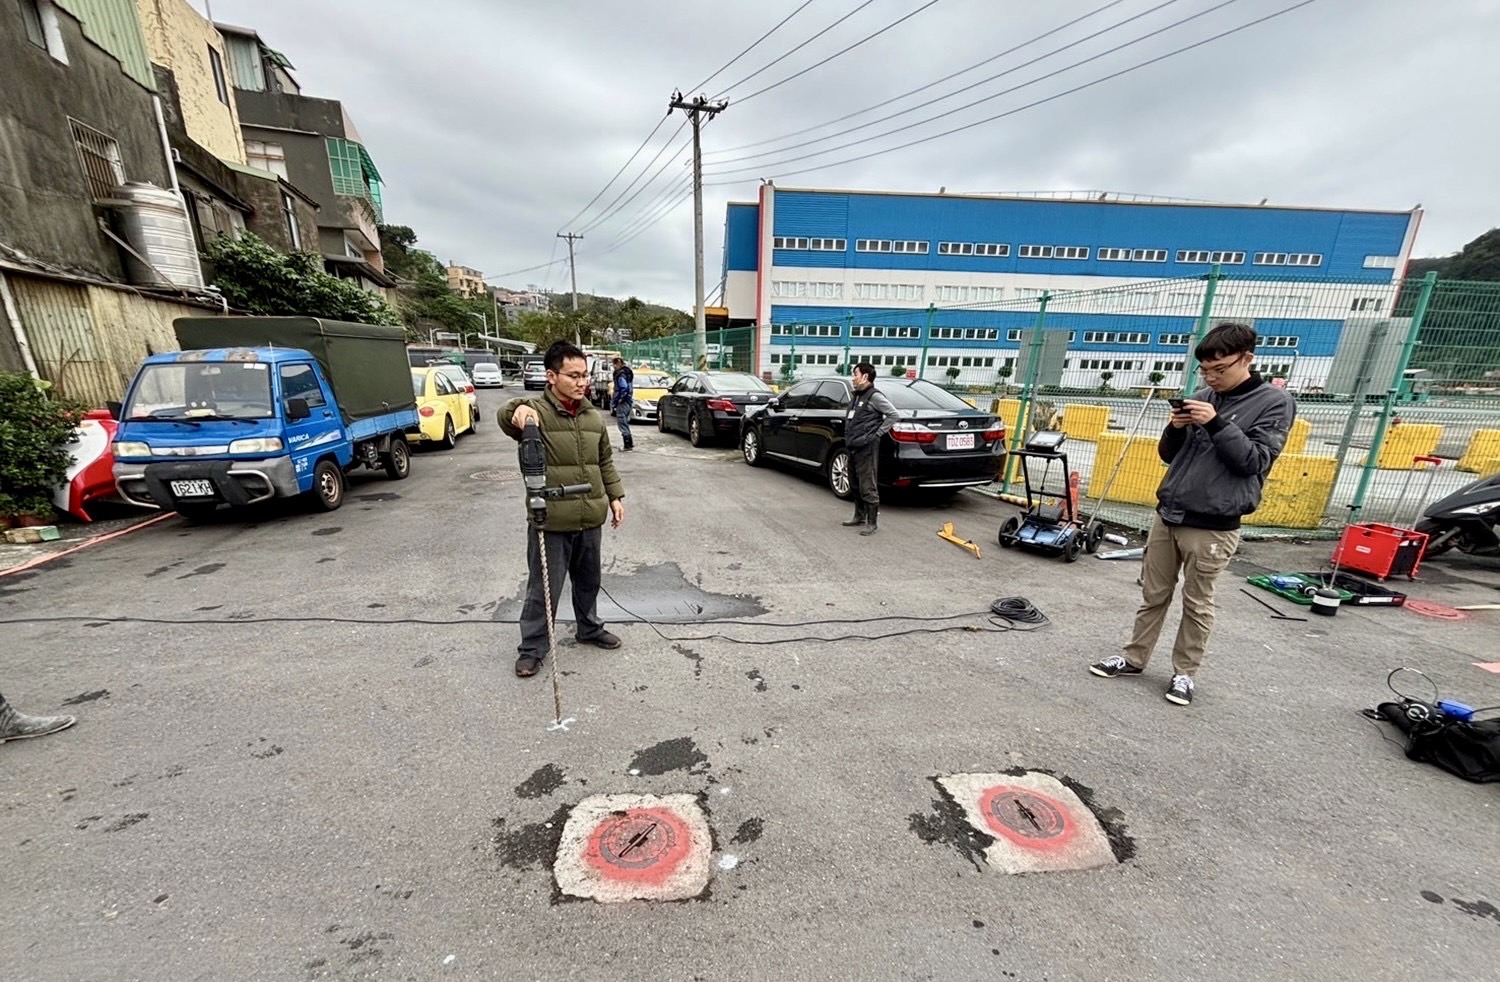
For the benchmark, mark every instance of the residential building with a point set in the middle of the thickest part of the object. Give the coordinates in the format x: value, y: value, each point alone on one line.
x: 79, y: 120
x: 188, y: 46
x: 950, y: 280
x: 313, y: 144
x: 469, y: 282
x: 512, y: 303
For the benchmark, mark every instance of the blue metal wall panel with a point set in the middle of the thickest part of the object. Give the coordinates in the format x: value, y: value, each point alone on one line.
x: 741, y: 237
x: 1017, y: 222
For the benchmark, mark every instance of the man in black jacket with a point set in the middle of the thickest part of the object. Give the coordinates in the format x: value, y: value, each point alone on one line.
x: 870, y: 417
x: 1218, y: 448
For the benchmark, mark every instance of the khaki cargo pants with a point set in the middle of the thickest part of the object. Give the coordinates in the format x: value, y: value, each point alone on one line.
x: 1200, y: 555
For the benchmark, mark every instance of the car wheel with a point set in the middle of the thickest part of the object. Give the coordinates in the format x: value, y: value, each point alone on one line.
x: 328, y: 485
x: 661, y: 421
x: 840, y: 474
x: 474, y: 421
x: 450, y: 437
x: 1433, y: 530
x: 695, y: 431
x: 397, y: 460
x: 750, y: 446
x: 1008, y: 532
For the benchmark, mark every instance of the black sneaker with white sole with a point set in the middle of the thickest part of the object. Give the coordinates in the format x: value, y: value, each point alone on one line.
x: 1108, y: 668
x: 1180, y: 690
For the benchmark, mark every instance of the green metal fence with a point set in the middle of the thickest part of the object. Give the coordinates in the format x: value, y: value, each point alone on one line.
x: 1414, y: 372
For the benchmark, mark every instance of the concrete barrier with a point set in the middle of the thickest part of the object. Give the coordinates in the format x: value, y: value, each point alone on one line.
x: 1008, y: 410
x: 1296, y: 440
x: 1406, y: 441
x: 1084, y: 422
x: 1140, y: 473
x: 1483, y: 453
x: 1296, y: 491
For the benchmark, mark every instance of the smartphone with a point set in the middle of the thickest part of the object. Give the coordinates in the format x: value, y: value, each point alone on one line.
x: 1176, y: 404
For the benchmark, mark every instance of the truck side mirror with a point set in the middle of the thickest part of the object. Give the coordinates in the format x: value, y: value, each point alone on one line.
x: 115, y: 409
x: 774, y: 405
x: 296, y: 408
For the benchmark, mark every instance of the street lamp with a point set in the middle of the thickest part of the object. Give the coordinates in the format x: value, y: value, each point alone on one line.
x: 483, y: 320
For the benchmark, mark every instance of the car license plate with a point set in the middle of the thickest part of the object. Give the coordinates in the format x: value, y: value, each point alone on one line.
x: 960, y: 441
x: 192, y: 489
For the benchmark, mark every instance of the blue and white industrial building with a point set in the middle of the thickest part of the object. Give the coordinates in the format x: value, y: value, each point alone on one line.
x: 877, y: 276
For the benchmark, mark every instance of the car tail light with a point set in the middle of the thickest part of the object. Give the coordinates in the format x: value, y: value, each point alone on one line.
x: 469, y: 389
x: 996, y: 433
x: 426, y: 410
x: 912, y: 433
x: 722, y: 405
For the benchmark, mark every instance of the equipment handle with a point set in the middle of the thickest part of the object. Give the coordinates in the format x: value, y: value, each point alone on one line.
x: 1434, y: 461
x: 568, y: 489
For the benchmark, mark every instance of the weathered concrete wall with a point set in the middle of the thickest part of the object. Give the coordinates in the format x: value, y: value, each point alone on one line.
x: 179, y: 39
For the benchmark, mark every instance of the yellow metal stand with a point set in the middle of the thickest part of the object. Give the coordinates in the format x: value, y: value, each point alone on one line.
x: 946, y: 532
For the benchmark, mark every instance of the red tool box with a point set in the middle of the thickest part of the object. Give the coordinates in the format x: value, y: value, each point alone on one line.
x: 1384, y: 551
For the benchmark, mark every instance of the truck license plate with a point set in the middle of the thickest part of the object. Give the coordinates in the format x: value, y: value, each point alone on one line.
x: 960, y: 441
x: 192, y: 489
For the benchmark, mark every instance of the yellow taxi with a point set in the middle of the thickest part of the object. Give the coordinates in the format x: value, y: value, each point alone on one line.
x: 442, y: 408
x: 650, y: 385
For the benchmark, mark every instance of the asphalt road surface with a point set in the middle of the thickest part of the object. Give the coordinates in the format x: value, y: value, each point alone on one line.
x: 264, y: 792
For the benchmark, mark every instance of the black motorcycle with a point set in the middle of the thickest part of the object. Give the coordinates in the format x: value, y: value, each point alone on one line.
x: 1464, y: 520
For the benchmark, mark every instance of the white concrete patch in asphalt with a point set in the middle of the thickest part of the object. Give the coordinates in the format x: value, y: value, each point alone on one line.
x: 618, y: 847
x: 1039, y: 825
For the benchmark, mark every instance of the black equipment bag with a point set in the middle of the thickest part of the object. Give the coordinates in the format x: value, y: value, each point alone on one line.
x: 1468, y: 748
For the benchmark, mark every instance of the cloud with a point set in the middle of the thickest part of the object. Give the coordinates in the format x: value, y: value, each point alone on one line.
x: 494, y: 122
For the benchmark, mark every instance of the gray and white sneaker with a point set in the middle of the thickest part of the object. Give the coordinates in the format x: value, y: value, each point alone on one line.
x: 1114, y: 665
x: 1180, y: 690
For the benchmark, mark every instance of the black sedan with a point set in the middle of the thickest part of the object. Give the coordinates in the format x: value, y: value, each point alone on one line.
x: 941, y: 444
x: 710, y: 405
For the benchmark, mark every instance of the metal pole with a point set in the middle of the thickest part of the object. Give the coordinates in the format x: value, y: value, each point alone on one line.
x: 848, y: 334
x: 926, y: 338
x: 1361, y: 389
x: 1033, y: 367
x: 700, y: 316
x: 1429, y: 283
x: 1190, y: 363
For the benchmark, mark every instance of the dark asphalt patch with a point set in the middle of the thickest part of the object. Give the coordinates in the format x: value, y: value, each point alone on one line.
x: 750, y: 830
x: 680, y: 754
x: 948, y: 826
x: 208, y: 569
x: 84, y: 697
x: 331, y: 530
x: 691, y: 656
x: 653, y: 593
x: 529, y: 847
x: 542, y: 782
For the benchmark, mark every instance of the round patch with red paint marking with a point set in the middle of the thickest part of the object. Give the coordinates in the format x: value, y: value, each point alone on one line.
x: 1034, y: 823
x: 641, y: 844
x: 635, y: 847
x: 1025, y: 817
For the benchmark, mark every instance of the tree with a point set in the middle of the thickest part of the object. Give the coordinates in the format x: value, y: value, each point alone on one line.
x: 1155, y: 378
x: 1104, y: 378
x: 1479, y: 260
x: 256, y: 278
x: 897, y: 371
x: 953, y: 374
x: 1004, y: 373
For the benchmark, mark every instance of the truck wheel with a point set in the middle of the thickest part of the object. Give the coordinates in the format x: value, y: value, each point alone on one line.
x: 328, y: 485
x: 397, y: 460
x: 450, y: 436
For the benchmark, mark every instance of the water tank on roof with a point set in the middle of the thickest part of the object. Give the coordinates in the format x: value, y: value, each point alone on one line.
x: 153, y: 221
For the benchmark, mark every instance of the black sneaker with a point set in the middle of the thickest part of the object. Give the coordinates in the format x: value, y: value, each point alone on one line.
x: 1114, y: 665
x: 602, y: 640
x: 1181, y: 690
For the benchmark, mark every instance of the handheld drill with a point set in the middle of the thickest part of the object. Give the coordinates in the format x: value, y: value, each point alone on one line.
x: 533, y: 459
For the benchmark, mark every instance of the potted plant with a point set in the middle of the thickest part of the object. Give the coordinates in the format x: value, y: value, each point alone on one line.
x: 34, y: 459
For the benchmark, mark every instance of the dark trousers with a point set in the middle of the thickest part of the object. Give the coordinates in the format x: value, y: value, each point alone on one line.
x: 862, y: 465
x: 622, y: 419
x: 574, y: 555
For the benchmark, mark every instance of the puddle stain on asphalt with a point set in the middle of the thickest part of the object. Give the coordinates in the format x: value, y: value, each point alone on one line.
x: 542, y: 782
x: 680, y: 754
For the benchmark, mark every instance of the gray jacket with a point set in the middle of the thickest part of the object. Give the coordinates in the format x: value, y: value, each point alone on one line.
x: 870, y: 417
x: 1216, y: 473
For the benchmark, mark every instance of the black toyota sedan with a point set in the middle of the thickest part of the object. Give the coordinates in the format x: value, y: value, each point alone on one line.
x: 710, y: 405
x: 941, y: 444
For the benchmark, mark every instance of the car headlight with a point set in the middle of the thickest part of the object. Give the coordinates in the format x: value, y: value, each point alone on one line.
x: 130, y: 449
x: 260, y: 444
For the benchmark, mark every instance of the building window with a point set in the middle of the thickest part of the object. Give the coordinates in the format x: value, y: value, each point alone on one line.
x: 973, y: 249
x: 1284, y: 341
x: 289, y: 212
x: 805, y: 330
x: 891, y: 245
x: 1288, y: 259
x: 803, y: 290
x: 100, y: 156
x: 1206, y: 256
x: 1118, y: 254
x: 1029, y: 293
x: 968, y: 294
x: 888, y: 291
x: 216, y: 65
x: 266, y: 156
x: 1054, y: 252
x: 1175, y: 340
x: 1381, y: 262
x: 1367, y: 303
x: 813, y: 244
x: 1036, y: 252
x: 42, y: 28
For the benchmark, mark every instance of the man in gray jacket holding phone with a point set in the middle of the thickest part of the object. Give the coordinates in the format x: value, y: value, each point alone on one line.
x: 1218, y: 447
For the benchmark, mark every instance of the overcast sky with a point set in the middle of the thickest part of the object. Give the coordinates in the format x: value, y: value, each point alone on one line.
x: 494, y: 122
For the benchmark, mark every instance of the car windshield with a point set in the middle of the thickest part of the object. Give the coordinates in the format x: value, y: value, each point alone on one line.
x: 653, y: 381
x: 418, y: 383
x: 921, y: 394
x: 736, y: 382
x: 202, y: 390
x: 485, y: 366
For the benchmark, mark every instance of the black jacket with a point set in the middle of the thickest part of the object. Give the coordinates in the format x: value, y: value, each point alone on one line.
x: 870, y: 417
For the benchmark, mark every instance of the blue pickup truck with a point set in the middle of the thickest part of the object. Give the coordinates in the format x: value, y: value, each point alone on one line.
x: 254, y: 408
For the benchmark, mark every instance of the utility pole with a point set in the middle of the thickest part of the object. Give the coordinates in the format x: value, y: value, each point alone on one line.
x: 573, y: 268
x: 697, y: 110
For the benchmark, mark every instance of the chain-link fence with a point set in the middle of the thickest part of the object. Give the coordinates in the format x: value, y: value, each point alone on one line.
x: 727, y: 350
x: 1397, y: 385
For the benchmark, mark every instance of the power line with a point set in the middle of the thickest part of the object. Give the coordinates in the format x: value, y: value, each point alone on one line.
x: 671, y: 159
x: 528, y: 269
x: 924, y: 88
x: 611, y: 210
x: 752, y: 47
x: 612, y: 180
x: 1038, y: 102
x: 671, y: 207
x: 797, y: 48
x: 836, y: 54
x: 651, y: 211
x: 974, y: 85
